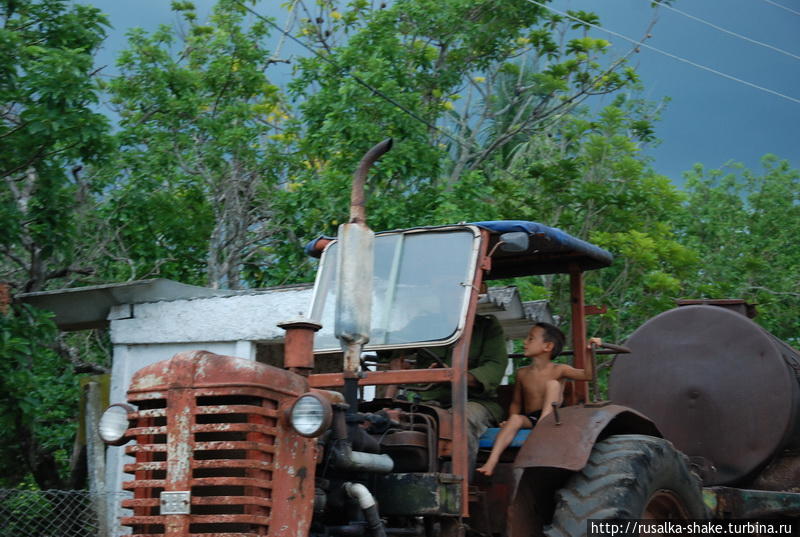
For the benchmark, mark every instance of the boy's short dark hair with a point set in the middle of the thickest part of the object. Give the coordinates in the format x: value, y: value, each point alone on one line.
x: 552, y: 334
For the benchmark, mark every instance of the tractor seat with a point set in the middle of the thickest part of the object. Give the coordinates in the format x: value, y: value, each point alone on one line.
x: 486, y: 441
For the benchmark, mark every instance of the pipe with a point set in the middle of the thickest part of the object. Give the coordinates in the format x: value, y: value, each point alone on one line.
x: 350, y: 530
x: 298, y: 353
x: 354, y: 267
x: 345, y: 458
x: 367, y: 504
x: 357, y: 211
x: 358, y: 461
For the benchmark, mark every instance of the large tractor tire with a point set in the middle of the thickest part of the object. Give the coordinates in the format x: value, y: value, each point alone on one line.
x: 628, y: 477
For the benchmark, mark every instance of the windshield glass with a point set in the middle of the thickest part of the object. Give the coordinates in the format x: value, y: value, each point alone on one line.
x: 419, y: 289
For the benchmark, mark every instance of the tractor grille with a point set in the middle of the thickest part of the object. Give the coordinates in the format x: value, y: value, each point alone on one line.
x: 219, y: 444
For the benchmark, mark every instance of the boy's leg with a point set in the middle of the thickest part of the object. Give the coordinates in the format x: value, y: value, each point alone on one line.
x: 554, y: 393
x: 504, y: 438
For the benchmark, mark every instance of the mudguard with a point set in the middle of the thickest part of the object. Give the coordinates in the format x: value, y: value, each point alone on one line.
x: 567, y: 445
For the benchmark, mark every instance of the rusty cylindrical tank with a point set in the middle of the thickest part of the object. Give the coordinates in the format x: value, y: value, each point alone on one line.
x: 722, y: 389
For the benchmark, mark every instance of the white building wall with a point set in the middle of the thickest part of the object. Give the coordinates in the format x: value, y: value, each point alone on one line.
x: 251, y: 317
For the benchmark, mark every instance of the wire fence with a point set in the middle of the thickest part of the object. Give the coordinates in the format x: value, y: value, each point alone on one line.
x: 49, y: 513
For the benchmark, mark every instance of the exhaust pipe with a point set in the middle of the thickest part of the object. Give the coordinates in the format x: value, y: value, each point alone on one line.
x: 354, y: 293
x: 357, y: 199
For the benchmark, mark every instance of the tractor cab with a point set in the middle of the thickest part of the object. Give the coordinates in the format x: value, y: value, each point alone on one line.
x: 426, y: 280
x: 425, y: 271
x: 425, y: 287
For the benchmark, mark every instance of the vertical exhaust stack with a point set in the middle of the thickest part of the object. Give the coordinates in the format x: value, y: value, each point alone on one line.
x: 354, y: 267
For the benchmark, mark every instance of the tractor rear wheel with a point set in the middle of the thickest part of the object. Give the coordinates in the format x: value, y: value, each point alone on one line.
x: 628, y: 477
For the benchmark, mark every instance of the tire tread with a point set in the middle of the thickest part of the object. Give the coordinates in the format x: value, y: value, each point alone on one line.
x: 616, y: 479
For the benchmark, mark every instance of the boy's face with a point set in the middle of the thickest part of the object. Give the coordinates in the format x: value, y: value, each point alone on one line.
x: 535, y: 345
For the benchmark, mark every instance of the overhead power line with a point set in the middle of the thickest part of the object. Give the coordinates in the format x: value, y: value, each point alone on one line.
x: 776, y: 4
x: 668, y: 54
x: 352, y: 75
x: 289, y: 22
x: 724, y: 30
x: 463, y: 144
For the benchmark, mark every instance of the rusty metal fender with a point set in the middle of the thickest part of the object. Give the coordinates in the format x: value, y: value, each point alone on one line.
x: 567, y: 445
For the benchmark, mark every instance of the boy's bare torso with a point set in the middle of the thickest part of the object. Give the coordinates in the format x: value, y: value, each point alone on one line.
x: 533, y: 380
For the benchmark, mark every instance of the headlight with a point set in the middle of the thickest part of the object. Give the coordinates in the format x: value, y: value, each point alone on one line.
x: 114, y: 423
x: 310, y: 415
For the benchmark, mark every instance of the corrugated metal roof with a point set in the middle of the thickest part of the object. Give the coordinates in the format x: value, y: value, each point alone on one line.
x: 81, y: 308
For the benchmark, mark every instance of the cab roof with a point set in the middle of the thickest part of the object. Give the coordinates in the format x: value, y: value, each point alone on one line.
x: 550, y: 250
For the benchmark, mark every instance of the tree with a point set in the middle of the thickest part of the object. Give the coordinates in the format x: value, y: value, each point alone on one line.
x: 589, y: 177
x: 39, y: 398
x: 50, y: 133
x: 52, y: 139
x: 197, y: 165
x: 743, y: 225
x: 409, y: 71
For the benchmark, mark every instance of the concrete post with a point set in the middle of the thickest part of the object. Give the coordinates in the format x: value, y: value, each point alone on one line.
x: 96, y: 455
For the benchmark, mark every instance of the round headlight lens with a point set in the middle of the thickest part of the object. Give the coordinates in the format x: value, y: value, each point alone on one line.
x: 114, y: 423
x: 310, y: 415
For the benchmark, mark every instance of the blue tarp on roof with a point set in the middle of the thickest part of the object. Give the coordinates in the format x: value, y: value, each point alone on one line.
x: 551, y: 250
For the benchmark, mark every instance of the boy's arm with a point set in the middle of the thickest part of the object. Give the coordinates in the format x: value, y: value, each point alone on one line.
x: 569, y: 372
x: 566, y: 371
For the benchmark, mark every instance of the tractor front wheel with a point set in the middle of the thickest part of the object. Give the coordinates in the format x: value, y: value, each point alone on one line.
x: 628, y: 477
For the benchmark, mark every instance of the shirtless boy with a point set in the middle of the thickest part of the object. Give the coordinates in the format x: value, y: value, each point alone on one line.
x: 538, y: 386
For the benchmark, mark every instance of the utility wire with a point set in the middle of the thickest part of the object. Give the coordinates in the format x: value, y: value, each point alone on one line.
x: 724, y: 30
x: 668, y: 54
x: 352, y: 75
x: 776, y: 4
x: 463, y: 144
x: 289, y: 22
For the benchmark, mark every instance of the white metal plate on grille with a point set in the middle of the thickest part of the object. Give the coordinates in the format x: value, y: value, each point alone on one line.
x: 175, y: 502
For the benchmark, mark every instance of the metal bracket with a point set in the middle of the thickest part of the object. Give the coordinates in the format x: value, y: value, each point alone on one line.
x: 555, y: 413
x: 176, y: 502
x: 594, y: 310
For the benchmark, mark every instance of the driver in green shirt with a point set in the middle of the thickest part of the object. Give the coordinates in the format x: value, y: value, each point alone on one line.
x: 488, y: 360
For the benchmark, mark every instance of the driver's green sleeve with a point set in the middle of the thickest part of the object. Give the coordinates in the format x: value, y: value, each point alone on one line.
x: 488, y: 360
x: 487, y: 363
x: 487, y: 354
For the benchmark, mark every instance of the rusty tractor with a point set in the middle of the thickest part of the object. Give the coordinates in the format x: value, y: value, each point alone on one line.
x: 230, y: 447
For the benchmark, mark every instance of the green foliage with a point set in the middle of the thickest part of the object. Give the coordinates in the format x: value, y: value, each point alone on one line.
x: 588, y: 177
x: 39, y: 399
x: 485, y: 122
x: 52, y: 141
x: 742, y: 224
x: 197, y: 167
x: 47, y: 126
x: 453, y: 96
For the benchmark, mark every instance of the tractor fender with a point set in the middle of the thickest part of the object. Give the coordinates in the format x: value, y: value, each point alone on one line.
x: 567, y: 445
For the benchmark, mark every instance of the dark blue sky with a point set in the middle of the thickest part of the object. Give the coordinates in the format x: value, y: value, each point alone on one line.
x: 710, y: 119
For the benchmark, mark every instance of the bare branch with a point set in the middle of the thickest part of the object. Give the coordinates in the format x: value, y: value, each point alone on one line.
x: 773, y: 292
